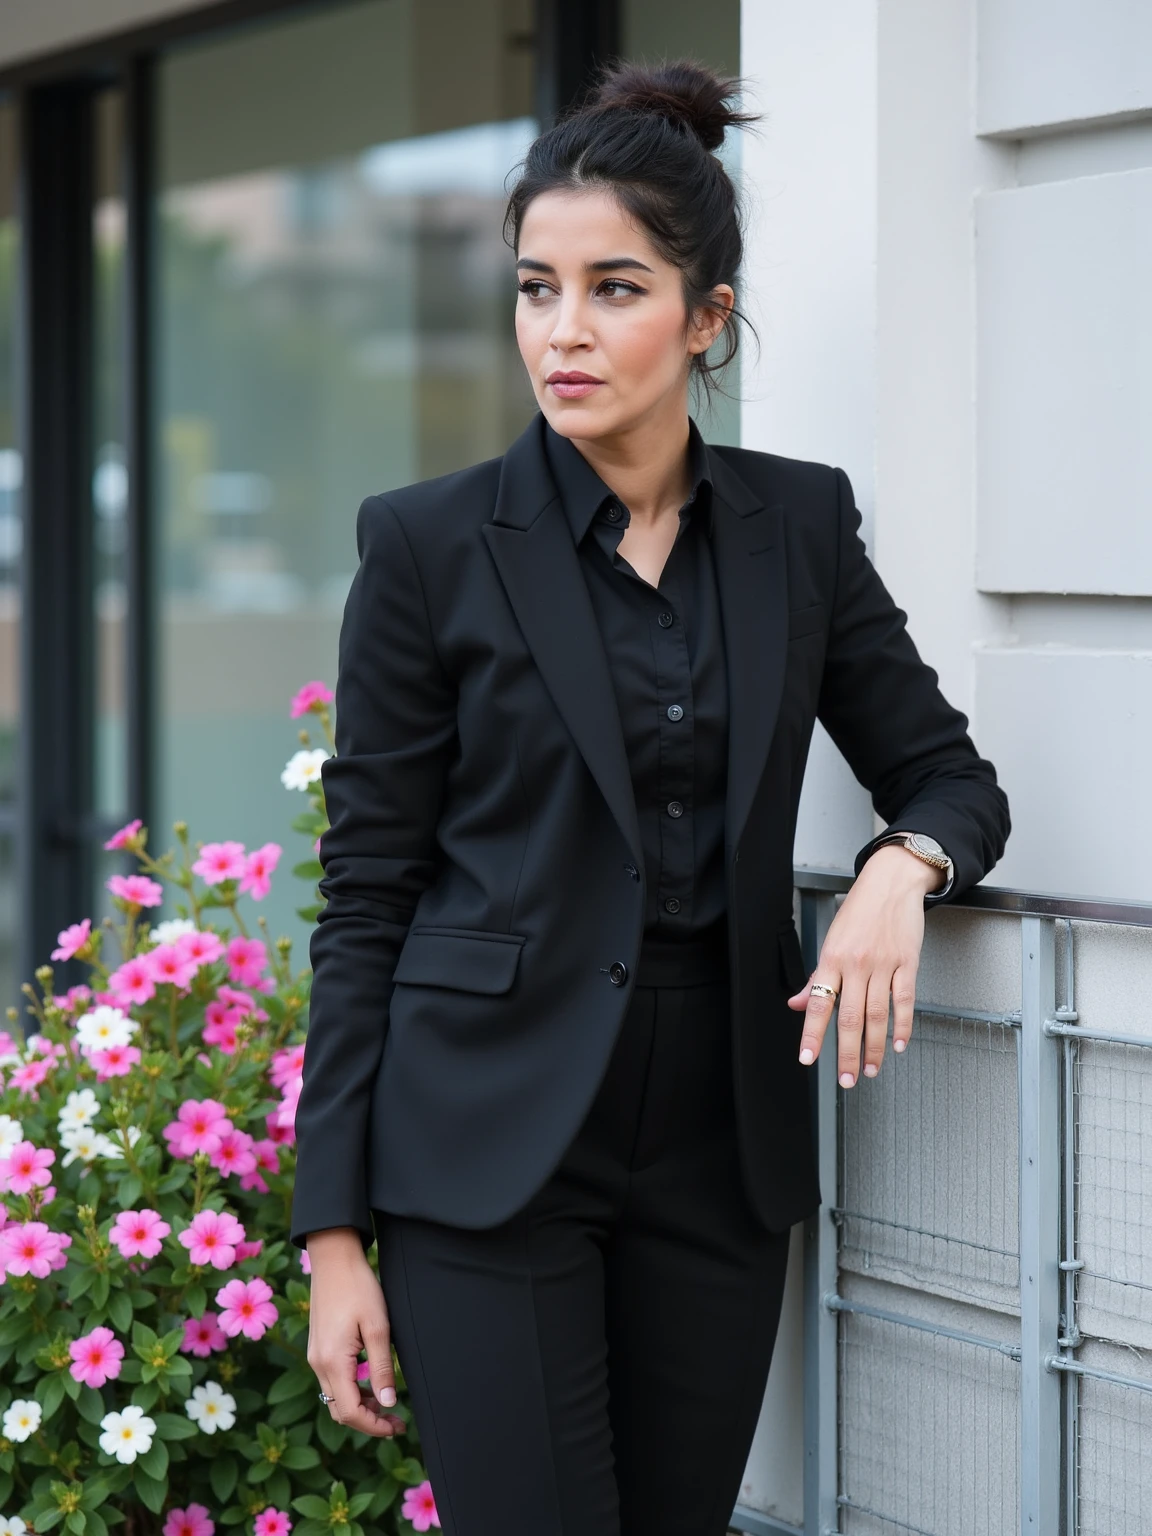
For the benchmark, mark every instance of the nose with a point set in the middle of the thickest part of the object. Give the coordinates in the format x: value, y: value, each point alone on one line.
x: 571, y: 329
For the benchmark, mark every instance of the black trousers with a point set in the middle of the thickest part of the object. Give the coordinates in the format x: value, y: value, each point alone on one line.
x: 595, y: 1365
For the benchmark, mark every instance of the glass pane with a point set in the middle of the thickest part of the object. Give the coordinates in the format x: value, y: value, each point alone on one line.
x: 336, y: 318
x: 11, y: 465
x: 678, y: 29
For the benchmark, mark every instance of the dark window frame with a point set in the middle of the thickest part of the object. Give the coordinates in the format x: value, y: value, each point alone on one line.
x: 57, y: 831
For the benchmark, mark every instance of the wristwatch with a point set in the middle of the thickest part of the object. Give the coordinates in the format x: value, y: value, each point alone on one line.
x: 926, y: 848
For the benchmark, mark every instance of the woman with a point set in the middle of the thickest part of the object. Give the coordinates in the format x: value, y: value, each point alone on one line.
x: 551, y: 1054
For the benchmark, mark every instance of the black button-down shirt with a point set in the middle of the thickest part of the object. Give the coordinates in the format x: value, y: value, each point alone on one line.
x: 665, y: 648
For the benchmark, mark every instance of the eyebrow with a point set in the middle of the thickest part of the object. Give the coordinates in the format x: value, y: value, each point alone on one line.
x: 609, y: 264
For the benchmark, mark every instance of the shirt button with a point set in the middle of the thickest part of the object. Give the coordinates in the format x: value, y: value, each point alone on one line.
x: 675, y: 712
x: 631, y: 869
x: 613, y: 512
x: 675, y: 808
x: 617, y: 973
x: 672, y: 905
x: 664, y: 619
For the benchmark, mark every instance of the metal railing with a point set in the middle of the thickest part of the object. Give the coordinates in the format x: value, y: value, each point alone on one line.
x: 997, y: 1190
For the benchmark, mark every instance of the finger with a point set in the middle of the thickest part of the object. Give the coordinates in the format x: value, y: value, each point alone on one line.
x: 816, y: 1015
x: 350, y: 1407
x: 876, y: 1021
x: 850, y: 1028
x: 903, y: 1005
x: 381, y: 1377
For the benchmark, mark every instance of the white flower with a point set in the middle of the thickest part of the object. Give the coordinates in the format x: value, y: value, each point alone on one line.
x: 127, y: 1434
x: 12, y: 1525
x: 112, y: 1146
x: 103, y: 1027
x: 83, y: 1143
x: 211, y: 1407
x: 79, y: 1109
x: 169, y: 932
x: 22, y: 1418
x: 303, y: 768
x: 11, y: 1132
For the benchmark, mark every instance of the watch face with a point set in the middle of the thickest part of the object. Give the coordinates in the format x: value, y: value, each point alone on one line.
x: 927, y: 844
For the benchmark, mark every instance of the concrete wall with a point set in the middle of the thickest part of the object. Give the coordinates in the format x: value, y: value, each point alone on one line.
x: 29, y: 28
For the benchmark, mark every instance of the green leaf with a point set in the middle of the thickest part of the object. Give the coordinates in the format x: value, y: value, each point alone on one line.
x: 76, y: 1522
x: 154, y: 1460
x: 196, y: 1299
x: 120, y: 1311
x: 308, y: 914
x: 222, y: 1474
x: 174, y: 1427
x: 50, y: 1517
x: 329, y: 1431
x: 312, y: 1505
x: 144, y: 1339
x: 101, y: 1285
x: 299, y: 1456
x: 96, y: 1525
x: 50, y: 1393
x: 386, y: 1494
x: 387, y: 1454
x: 90, y: 1405
x: 308, y: 869
x: 152, y: 1490
x: 278, y: 1488
x: 145, y: 1396
x: 409, y: 1471
x: 359, y: 1502
x: 259, y: 1471
x: 128, y: 1191
x: 301, y: 1378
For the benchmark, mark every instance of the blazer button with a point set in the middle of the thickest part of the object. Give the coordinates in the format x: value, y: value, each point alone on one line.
x: 617, y: 973
x: 630, y: 869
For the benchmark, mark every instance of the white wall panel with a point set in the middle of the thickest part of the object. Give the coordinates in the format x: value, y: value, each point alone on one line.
x: 1064, y: 391
x: 1070, y: 733
x: 31, y: 27
x: 1045, y: 62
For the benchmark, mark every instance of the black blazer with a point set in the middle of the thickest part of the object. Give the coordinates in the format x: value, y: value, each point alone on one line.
x: 480, y: 866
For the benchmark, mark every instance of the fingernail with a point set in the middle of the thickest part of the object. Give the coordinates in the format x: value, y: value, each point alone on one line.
x: 870, y: 1070
x: 898, y: 1045
x: 846, y: 1079
x: 807, y: 1057
x: 388, y: 1397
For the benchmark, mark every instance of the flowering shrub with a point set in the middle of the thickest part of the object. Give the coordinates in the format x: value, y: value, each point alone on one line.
x: 153, y: 1315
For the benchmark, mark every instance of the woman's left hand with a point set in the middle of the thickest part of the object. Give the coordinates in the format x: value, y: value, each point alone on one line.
x: 870, y: 952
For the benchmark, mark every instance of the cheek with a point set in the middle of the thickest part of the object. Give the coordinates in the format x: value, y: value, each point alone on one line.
x: 650, y: 344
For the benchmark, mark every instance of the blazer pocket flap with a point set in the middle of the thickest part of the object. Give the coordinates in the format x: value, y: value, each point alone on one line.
x: 466, y: 961
x: 806, y: 621
x: 792, y: 967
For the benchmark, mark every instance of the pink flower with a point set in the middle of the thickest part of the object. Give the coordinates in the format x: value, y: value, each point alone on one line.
x: 74, y: 997
x: 420, y: 1507
x: 249, y: 1250
x: 132, y: 982
x: 211, y: 1239
x: 234, y: 1154
x: 268, y: 1158
x: 287, y: 1110
x: 309, y: 698
x: 114, y: 1061
x: 271, y: 1522
x: 204, y: 946
x: 246, y: 961
x: 96, y: 1358
x: 25, y: 1167
x: 198, y: 1127
x: 30, y: 1074
x: 72, y: 939
x: 285, y: 1063
x: 220, y: 861
x: 220, y: 1029
x: 202, y: 1335
x: 136, y: 1232
x: 125, y: 835
x: 29, y: 1248
x: 168, y: 964
x: 258, y: 870
x: 247, y: 1307
x: 193, y: 1521
x: 305, y: 1261
x: 136, y: 890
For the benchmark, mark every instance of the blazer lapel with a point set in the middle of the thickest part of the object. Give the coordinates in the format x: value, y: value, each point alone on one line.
x: 751, y: 575
x: 531, y: 543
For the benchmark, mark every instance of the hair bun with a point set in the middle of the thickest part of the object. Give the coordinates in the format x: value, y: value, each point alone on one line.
x: 683, y: 91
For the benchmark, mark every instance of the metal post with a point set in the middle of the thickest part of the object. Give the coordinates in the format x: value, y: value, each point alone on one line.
x: 821, y: 1241
x: 1040, y: 1202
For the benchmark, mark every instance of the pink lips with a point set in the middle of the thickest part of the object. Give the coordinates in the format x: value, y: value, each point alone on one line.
x: 573, y: 386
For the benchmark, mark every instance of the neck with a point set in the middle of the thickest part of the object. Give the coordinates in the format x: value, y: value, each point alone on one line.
x: 646, y: 465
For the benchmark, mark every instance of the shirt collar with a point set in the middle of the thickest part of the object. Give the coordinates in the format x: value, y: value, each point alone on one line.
x: 583, y: 493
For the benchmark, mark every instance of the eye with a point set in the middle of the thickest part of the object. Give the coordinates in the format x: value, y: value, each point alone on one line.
x: 530, y: 286
x: 624, y: 290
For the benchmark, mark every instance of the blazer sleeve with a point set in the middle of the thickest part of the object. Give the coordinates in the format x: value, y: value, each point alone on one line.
x: 395, y: 734
x: 881, y: 704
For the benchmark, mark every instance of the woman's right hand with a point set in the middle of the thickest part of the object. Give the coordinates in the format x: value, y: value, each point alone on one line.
x: 347, y: 1313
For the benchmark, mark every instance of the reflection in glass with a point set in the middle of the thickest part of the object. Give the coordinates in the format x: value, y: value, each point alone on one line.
x: 335, y: 319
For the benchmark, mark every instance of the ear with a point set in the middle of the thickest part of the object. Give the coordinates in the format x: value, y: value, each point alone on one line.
x: 708, y: 319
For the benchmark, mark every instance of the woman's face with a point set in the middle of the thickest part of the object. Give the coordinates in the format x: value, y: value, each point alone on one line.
x: 600, y: 319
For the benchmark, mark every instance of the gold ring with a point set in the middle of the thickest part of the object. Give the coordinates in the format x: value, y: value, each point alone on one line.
x: 820, y: 990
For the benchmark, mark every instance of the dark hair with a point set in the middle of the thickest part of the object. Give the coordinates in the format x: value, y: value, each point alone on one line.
x: 646, y: 133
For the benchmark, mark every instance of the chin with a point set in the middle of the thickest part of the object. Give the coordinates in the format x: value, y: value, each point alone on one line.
x: 576, y: 418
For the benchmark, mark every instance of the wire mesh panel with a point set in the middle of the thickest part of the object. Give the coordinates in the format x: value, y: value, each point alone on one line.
x: 1115, y: 1459
x: 1113, y: 1087
x: 929, y: 1159
x: 929, y: 1433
